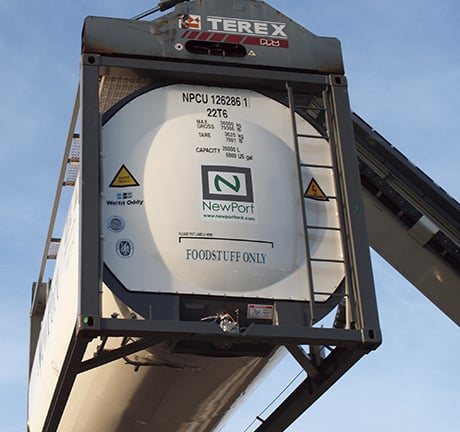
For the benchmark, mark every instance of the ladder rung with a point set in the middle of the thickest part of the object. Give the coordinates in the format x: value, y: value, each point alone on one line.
x: 312, y: 136
x: 323, y: 197
x: 327, y: 260
x: 316, y: 166
x: 326, y: 228
x: 310, y: 107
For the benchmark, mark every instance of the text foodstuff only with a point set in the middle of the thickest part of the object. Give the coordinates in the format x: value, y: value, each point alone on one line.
x: 226, y: 256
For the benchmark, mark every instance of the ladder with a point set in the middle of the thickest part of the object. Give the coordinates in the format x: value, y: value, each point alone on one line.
x: 312, y: 194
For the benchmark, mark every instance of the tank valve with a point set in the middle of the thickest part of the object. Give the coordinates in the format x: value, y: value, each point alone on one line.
x: 226, y: 322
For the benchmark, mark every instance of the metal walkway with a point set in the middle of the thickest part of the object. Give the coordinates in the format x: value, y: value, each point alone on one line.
x: 412, y: 222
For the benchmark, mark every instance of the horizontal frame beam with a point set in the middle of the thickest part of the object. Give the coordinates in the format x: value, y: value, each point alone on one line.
x: 205, y: 331
x: 206, y: 74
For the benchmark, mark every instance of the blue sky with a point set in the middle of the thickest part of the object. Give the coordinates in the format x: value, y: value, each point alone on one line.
x: 403, y: 65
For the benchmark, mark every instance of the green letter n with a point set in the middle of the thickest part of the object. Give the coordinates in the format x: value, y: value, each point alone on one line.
x: 218, y: 180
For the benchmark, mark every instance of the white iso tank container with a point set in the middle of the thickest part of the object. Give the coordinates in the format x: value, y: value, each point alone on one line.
x: 200, y: 197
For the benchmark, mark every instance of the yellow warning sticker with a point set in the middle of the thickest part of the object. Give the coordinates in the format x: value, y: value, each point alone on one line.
x: 315, y: 192
x: 123, y: 178
x: 251, y: 53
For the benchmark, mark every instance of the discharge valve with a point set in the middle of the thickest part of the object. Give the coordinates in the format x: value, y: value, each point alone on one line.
x: 226, y: 321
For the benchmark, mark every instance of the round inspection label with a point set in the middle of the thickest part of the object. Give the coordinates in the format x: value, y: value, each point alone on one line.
x: 125, y: 248
x: 116, y: 224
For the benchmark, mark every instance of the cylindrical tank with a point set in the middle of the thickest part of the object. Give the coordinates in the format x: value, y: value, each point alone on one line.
x: 201, y: 195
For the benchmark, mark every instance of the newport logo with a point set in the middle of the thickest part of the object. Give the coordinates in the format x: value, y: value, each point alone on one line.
x: 227, y: 183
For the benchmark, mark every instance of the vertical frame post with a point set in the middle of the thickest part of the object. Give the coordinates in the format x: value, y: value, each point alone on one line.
x: 90, y: 244
x: 361, y: 270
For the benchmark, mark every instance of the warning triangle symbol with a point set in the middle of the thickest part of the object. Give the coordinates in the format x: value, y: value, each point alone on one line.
x: 123, y: 178
x: 315, y: 192
x: 251, y: 53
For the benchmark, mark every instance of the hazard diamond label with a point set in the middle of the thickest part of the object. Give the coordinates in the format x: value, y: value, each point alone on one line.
x: 123, y: 178
x: 315, y: 192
